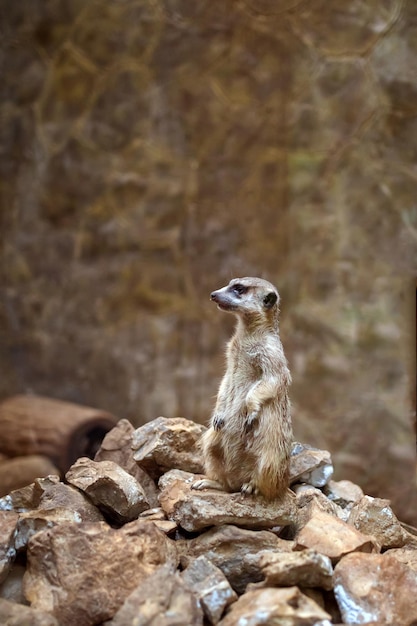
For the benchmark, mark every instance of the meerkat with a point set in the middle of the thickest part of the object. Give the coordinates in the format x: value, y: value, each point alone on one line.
x: 248, y: 444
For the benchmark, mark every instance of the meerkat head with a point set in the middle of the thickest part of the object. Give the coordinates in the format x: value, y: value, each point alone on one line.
x: 249, y: 298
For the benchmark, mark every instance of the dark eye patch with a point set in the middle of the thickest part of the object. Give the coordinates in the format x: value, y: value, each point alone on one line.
x: 239, y: 289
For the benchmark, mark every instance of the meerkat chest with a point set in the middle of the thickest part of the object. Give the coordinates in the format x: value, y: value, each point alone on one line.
x: 244, y: 361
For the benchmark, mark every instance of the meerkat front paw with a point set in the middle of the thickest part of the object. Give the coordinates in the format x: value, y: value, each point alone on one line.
x: 249, y: 489
x: 207, y: 483
x: 250, y: 420
x: 217, y: 422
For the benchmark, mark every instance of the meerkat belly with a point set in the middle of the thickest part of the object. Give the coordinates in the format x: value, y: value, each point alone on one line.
x: 244, y: 376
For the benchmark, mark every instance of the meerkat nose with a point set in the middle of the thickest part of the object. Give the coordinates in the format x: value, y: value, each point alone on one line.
x: 213, y: 295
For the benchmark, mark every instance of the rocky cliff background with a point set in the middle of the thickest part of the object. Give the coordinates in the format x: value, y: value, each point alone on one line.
x: 153, y: 149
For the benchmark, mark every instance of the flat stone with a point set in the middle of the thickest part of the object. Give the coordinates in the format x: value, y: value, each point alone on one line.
x: 276, y: 606
x: 8, y: 522
x: 210, y: 586
x: 194, y: 510
x: 307, y: 568
x: 375, y: 588
x: 374, y: 516
x: 117, y: 447
x: 168, y: 443
x: 332, y: 537
x: 235, y: 551
x: 12, y: 614
x: 110, y: 487
x: 162, y: 599
x: 82, y: 573
x: 310, y: 465
x: 343, y: 492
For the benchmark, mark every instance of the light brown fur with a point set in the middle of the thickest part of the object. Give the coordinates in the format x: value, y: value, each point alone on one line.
x: 248, y: 444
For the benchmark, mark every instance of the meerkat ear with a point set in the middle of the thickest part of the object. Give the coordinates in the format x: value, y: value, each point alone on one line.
x: 270, y: 299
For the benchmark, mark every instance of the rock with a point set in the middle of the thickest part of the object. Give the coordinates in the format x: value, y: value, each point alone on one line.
x: 310, y: 500
x: 210, y: 586
x: 12, y: 587
x: 110, y: 487
x: 310, y: 465
x: 307, y: 568
x: 82, y: 573
x: 33, y: 522
x: 276, y: 606
x: 375, y: 588
x: 408, y: 556
x: 194, y: 510
x: 8, y: 522
x: 374, y: 516
x: 12, y: 614
x: 27, y: 498
x: 230, y: 548
x: 22, y: 470
x: 49, y: 493
x: 157, y: 513
x: 58, y: 495
x: 117, y: 447
x: 163, y: 599
x: 332, y: 537
x: 343, y: 492
x: 165, y: 444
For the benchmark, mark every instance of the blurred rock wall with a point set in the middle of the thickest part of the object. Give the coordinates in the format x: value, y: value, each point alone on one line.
x: 153, y: 149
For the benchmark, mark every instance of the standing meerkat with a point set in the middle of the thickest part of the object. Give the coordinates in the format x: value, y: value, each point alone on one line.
x: 248, y: 444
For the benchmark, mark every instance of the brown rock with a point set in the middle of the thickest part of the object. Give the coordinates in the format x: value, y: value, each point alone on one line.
x: 163, y: 599
x: 110, y: 487
x: 168, y: 443
x: 12, y: 587
x: 333, y: 537
x: 375, y: 588
x: 210, y: 586
x: 32, y: 522
x: 408, y: 556
x: 8, y: 521
x: 27, y: 498
x: 12, y: 614
x: 307, y: 568
x: 58, y: 495
x: 49, y: 493
x: 117, y: 447
x: 83, y: 573
x: 157, y: 513
x: 230, y: 548
x: 374, y: 516
x: 343, y: 492
x: 275, y: 606
x: 22, y: 470
x: 310, y: 465
x: 194, y: 510
x: 310, y: 500
x: 166, y: 526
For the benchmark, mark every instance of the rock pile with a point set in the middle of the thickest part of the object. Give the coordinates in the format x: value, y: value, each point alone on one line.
x: 125, y: 541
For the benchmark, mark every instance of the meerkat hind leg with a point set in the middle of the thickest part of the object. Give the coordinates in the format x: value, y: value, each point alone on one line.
x: 207, y: 483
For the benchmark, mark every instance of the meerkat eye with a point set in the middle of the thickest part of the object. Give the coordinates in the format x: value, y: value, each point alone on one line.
x: 239, y: 289
x: 270, y: 299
